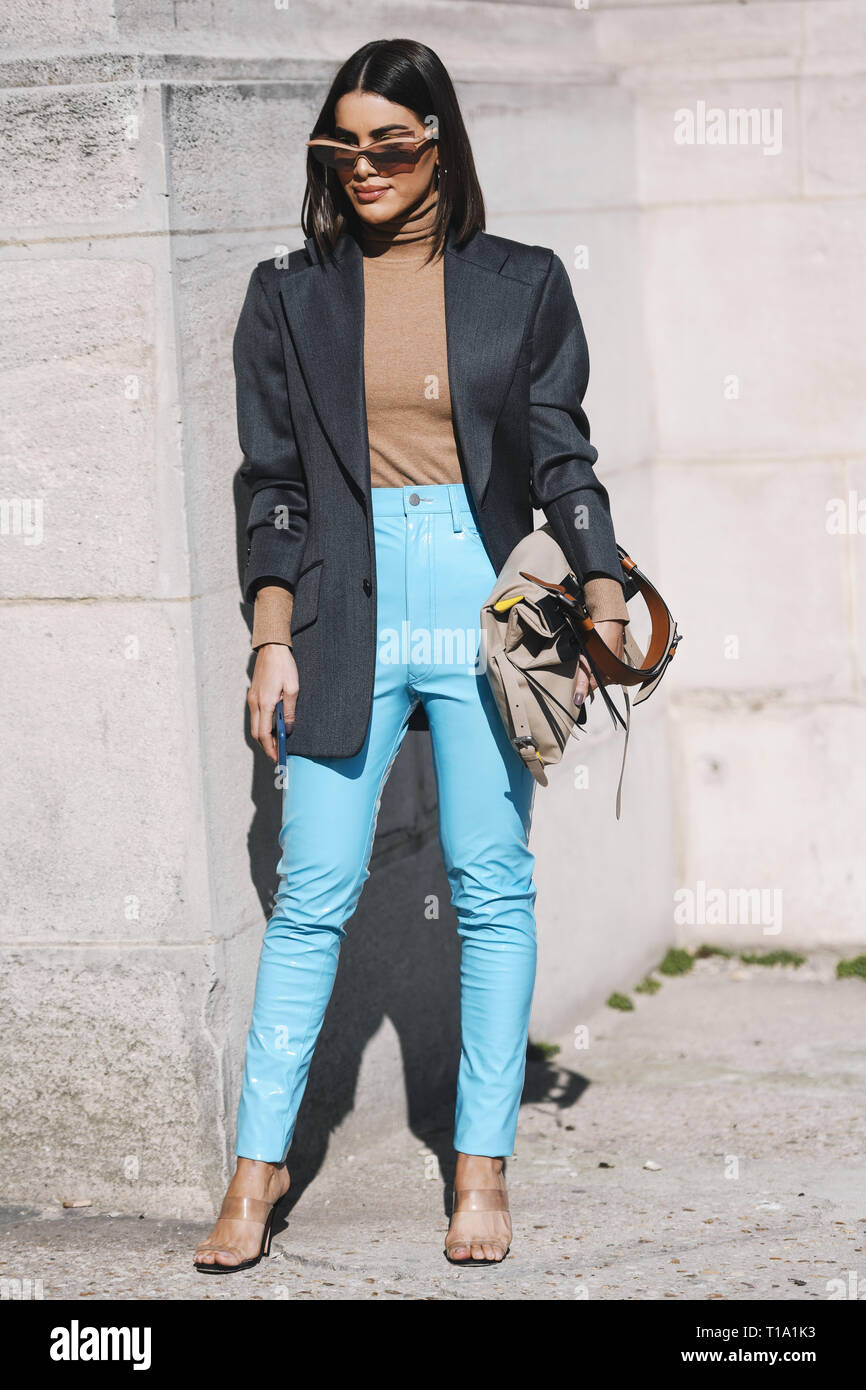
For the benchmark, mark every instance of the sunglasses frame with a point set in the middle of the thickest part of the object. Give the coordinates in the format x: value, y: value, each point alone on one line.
x: 323, y: 142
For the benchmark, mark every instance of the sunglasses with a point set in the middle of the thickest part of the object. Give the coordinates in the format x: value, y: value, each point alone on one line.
x: 393, y: 156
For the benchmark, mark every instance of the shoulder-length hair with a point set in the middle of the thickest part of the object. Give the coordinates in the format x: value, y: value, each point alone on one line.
x: 411, y: 75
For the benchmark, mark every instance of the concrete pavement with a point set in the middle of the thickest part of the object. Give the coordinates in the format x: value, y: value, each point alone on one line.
x: 745, y: 1085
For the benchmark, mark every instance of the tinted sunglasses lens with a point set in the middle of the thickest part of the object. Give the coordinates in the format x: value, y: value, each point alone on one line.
x: 344, y: 160
x: 389, y: 157
x: 325, y: 154
x: 394, y: 158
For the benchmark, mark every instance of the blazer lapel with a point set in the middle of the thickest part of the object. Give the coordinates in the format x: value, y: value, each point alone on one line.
x: 325, y: 310
x: 485, y: 315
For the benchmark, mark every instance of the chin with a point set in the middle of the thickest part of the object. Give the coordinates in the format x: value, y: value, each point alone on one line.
x: 376, y: 212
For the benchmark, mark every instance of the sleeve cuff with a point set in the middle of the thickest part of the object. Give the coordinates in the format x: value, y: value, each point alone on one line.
x: 605, y: 600
x: 272, y: 616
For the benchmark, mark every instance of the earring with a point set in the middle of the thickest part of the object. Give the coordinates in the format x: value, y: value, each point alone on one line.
x: 439, y: 173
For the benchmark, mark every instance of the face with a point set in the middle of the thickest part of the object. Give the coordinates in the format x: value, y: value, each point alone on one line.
x: 361, y: 118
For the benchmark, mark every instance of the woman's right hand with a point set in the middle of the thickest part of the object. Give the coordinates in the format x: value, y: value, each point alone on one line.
x: 275, y: 678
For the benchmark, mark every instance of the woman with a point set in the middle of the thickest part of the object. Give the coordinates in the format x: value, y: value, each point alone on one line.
x: 393, y: 469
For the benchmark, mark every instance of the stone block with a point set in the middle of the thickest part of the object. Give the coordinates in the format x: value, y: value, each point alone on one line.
x: 82, y: 158
x: 79, y: 462
x: 772, y: 799
x: 100, y: 797
x: 834, y: 114
x: 758, y: 585
x: 753, y: 344
x: 115, y: 1092
x: 535, y: 139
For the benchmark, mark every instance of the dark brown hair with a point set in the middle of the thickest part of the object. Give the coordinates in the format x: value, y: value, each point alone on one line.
x: 411, y: 75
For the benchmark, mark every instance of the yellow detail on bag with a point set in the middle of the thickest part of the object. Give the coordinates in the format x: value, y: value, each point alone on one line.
x: 505, y: 603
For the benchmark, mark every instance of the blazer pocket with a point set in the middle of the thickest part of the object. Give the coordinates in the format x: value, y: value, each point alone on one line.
x: 305, y: 608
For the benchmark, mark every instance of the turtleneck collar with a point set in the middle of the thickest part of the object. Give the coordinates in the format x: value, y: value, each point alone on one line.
x: 405, y: 240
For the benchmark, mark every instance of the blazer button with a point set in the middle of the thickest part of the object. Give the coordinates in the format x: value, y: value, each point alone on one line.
x: 368, y: 587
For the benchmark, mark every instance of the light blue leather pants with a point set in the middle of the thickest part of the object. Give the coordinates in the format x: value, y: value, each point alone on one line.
x: 433, y: 576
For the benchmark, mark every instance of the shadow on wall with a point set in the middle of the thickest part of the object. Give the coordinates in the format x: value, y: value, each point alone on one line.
x: 394, y: 964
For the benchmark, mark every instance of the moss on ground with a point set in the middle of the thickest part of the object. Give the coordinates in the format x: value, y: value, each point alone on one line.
x: 772, y: 958
x: 856, y: 967
x: 648, y: 986
x: 620, y: 1001
x: 676, y: 962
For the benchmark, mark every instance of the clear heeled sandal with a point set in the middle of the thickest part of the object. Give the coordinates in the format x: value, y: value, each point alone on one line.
x: 479, y: 1199
x: 254, y: 1209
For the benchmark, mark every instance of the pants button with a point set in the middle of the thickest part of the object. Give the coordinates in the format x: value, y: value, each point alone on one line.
x: 368, y: 587
x: 414, y: 499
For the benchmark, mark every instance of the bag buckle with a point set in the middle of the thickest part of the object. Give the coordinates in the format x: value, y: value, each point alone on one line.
x: 524, y: 741
x: 569, y: 595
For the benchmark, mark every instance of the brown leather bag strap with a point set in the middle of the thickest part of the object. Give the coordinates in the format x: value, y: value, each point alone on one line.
x: 662, y: 643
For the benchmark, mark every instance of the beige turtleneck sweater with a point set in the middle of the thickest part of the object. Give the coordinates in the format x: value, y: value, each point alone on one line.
x: 408, y: 402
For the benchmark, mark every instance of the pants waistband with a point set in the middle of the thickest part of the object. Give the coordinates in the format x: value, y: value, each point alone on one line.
x: 422, y: 499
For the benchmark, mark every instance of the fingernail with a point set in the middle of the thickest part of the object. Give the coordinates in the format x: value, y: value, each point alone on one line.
x: 578, y: 698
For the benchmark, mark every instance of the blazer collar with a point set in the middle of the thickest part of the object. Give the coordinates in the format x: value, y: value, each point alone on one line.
x: 485, y: 317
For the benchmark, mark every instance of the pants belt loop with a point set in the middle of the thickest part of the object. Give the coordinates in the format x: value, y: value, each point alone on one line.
x: 455, y: 508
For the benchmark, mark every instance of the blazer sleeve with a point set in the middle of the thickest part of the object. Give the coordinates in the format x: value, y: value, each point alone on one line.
x: 563, y: 479
x: 272, y: 469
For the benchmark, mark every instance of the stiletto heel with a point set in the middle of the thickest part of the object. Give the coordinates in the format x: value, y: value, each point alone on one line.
x: 241, y: 1209
x: 478, y: 1199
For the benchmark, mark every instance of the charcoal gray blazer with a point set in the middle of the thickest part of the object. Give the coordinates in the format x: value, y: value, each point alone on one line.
x: 517, y: 372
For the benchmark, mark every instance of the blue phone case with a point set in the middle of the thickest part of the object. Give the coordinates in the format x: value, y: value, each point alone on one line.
x: 281, y: 736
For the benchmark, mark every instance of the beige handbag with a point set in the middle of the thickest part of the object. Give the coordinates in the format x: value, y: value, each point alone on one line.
x: 533, y: 632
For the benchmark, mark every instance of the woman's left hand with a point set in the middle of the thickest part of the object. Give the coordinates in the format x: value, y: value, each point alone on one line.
x: 611, y: 633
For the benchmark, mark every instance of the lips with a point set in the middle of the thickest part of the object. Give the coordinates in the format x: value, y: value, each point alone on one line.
x: 369, y: 195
